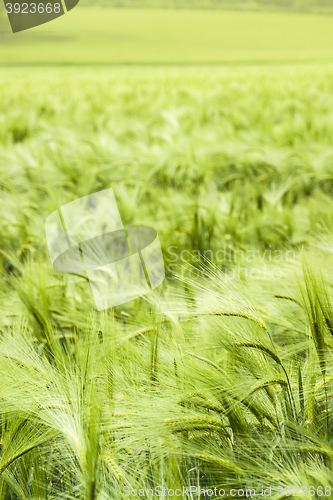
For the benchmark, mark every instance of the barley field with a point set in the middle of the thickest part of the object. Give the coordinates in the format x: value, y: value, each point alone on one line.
x: 221, y: 377
x: 103, y: 36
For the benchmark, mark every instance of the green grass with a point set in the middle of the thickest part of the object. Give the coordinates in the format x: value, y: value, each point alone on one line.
x: 108, y: 36
x: 209, y: 380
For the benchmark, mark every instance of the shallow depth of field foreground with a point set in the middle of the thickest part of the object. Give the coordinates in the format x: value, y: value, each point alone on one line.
x: 220, y: 378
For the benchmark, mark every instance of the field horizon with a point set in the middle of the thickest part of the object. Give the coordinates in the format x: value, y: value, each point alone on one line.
x: 102, y: 35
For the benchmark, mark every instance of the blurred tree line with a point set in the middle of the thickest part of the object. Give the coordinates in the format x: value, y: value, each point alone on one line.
x: 324, y: 6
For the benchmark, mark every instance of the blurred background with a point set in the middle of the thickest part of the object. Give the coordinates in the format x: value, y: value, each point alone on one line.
x: 176, y: 31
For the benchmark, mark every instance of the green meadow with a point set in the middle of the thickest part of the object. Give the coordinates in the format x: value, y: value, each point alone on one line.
x: 97, y: 35
x: 221, y: 378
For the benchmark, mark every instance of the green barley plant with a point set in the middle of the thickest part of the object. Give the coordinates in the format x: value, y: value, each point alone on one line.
x: 221, y: 377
